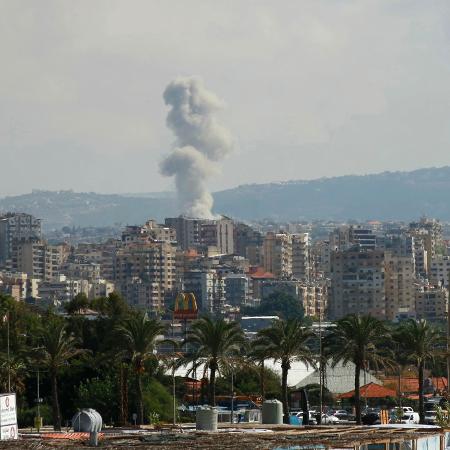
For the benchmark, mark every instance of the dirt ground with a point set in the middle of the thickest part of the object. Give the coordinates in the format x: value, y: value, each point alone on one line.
x: 186, y: 442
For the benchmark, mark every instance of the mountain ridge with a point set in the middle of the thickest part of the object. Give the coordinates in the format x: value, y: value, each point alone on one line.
x: 398, y: 195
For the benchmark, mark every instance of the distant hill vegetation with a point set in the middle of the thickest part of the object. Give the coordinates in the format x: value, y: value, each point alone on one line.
x: 384, y: 196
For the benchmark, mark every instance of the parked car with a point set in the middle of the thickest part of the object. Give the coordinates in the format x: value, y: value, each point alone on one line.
x: 341, y: 414
x: 312, y: 418
x: 407, y: 409
x: 430, y: 417
x: 329, y: 419
x: 410, y: 417
x: 371, y: 418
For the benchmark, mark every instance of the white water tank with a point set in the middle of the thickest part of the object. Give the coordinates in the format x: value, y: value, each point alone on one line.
x: 272, y: 412
x: 206, y: 419
x: 87, y: 421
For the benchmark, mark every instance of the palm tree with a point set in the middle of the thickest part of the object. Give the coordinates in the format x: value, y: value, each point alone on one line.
x: 355, y: 339
x: 56, y: 348
x: 214, y: 343
x: 15, y: 367
x: 419, y: 341
x: 140, y: 335
x: 286, y: 341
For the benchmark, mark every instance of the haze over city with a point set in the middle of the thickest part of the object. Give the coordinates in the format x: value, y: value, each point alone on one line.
x: 310, y: 89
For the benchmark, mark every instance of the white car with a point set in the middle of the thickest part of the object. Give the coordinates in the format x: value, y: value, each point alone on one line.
x: 410, y: 417
x: 407, y: 409
x: 329, y: 419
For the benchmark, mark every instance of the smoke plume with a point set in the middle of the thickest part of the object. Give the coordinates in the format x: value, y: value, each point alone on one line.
x: 201, y: 143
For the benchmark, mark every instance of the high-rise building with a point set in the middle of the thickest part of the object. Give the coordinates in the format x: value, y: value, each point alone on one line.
x: 146, y: 266
x: 357, y: 283
x: 248, y: 243
x: 208, y: 287
x: 237, y: 290
x: 300, y: 256
x: 430, y: 233
x: 37, y: 258
x: 187, y: 230
x: 399, y: 285
x: 277, y: 251
x: 16, y: 226
x: 219, y: 234
x: 440, y: 270
x: 345, y: 237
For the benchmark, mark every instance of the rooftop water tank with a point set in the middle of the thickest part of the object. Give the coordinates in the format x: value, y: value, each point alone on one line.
x: 272, y: 412
x: 206, y: 419
x: 87, y: 421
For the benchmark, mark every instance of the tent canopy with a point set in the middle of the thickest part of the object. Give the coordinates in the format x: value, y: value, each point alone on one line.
x: 371, y: 390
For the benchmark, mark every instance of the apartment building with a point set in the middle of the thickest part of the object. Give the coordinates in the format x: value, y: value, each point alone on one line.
x: 357, y: 283
x: 238, y: 290
x: 102, y: 254
x: 248, y: 243
x: 16, y: 226
x: 428, y: 232
x: 208, y: 287
x: 399, y: 285
x: 440, y: 270
x: 431, y: 302
x: 18, y: 285
x: 187, y: 230
x: 143, y: 294
x: 151, y: 262
x: 150, y: 231
x: 61, y: 290
x: 277, y: 254
x: 300, y: 256
x: 345, y: 237
x: 37, y: 259
x: 219, y: 234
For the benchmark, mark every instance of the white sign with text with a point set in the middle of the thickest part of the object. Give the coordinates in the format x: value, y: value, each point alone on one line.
x: 8, y: 417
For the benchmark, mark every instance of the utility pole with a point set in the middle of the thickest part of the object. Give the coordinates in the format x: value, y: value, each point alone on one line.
x: 320, y: 367
x: 232, y: 396
x: 174, y: 393
x: 448, y: 336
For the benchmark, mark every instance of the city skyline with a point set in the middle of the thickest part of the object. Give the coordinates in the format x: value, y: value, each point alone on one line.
x: 312, y: 89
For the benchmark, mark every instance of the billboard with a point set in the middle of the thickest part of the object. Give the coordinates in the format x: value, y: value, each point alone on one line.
x: 8, y: 417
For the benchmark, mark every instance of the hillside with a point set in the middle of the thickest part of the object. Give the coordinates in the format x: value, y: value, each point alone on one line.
x: 384, y: 196
x: 67, y: 208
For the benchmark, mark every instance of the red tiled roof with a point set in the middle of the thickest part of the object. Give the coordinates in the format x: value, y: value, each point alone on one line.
x: 371, y: 390
x: 411, y: 384
x: 259, y: 272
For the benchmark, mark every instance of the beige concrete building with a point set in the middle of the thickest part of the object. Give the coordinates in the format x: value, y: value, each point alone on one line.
x: 431, y: 302
x: 38, y: 259
x: 428, y: 234
x: 16, y: 227
x: 357, y: 283
x: 277, y: 254
x: 219, y: 234
x: 440, y: 270
x: 399, y: 285
x: 300, y: 256
x: 153, y: 263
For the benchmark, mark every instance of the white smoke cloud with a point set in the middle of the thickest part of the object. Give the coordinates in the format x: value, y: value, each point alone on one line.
x: 201, y: 143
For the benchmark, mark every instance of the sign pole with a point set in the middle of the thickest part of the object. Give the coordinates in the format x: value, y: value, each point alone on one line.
x: 7, y: 344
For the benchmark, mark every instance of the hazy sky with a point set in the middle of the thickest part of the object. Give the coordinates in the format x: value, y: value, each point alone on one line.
x: 312, y: 88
